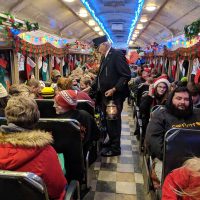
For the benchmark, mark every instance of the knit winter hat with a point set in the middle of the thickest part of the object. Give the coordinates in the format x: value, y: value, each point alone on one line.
x: 3, y: 91
x: 161, y: 80
x: 67, y: 99
x: 184, y: 79
x: 146, y: 69
x: 47, y: 92
x: 55, y: 73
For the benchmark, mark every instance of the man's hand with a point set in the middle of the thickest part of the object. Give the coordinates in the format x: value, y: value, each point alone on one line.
x: 110, y: 92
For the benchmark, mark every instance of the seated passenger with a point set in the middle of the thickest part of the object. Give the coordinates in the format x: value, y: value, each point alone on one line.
x: 195, y: 92
x: 55, y: 75
x: 157, y: 95
x: 64, y: 83
x: 21, y: 90
x: 27, y: 150
x: 179, y: 113
x: 47, y: 93
x: 183, y: 183
x: 67, y: 84
x: 35, y: 87
x: 140, y: 84
x: 85, y: 84
x: 65, y: 103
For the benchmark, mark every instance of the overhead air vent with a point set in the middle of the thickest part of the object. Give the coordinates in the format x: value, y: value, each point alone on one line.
x: 120, y: 38
x: 114, y: 3
x: 117, y: 27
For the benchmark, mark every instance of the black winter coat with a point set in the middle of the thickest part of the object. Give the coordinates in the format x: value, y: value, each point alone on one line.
x: 160, y: 122
x: 114, y: 72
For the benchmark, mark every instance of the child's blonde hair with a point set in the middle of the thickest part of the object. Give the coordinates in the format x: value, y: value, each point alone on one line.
x: 193, y: 165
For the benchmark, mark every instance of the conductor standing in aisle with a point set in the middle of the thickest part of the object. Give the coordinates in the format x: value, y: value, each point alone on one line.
x: 111, y: 84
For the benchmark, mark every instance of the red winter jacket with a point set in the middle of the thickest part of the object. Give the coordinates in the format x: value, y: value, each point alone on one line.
x: 179, y: 178
x: 30, y: 151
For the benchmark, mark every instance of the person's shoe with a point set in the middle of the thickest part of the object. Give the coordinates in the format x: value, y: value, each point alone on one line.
x: 110, y: 153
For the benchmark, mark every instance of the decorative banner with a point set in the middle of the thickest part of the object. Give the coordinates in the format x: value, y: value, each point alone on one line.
x: 30, y: 64
x: 196, y: 66
x: 52, y: 61
x: 40, y: 62
x: 3, y: 63
x: 58, y: 60
x: 182, y: 69
x: 21, y: 61
x: 44, y: 67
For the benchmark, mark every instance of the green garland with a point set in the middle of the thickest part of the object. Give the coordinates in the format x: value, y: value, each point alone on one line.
x: 192, y: 30
x: 18, y: 25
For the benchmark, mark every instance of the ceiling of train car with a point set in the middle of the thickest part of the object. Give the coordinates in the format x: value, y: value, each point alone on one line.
x: 167, y: 21
x: 116, y: 15
x: 61, y: 17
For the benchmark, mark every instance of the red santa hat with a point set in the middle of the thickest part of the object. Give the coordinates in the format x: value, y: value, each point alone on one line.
x: 67, y: 99
x: 146, y: 69
x: 161, y: 80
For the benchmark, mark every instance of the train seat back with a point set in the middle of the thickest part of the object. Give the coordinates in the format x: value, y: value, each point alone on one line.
x: 46, y: 108
x: 179, y: 145
x: 85, y: 105
x: 22, y: 186
x: 67, y: 140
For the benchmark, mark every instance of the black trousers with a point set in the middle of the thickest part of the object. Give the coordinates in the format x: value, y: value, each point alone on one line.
x: 114, y: 126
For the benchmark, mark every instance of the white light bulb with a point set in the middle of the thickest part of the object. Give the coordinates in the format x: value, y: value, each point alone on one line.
x: 91, y: 22
x: 96, y: 28
x: 140, y: 26
x: 83, y: 12
x: 143, y: 19
x: 101, y: 33
x: 150, y: 8
x: 69, y: 1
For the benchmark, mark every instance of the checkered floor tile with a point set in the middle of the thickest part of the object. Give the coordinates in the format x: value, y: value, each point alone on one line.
x: 119, y: 177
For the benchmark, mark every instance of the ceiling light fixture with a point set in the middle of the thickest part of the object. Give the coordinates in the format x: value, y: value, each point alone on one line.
x: 140, y: 26
x: 91, y: 11
x: 91, y: 22
x: 143, y: 19
x: 136, y: 31
x: 150, y: 8
x: 135, y: 35
x: 134, y: 21
x: 69, y: 1
x: 101, y: 33
x: 131, y: 42
x: 83, y: 12
x: 96, y: 28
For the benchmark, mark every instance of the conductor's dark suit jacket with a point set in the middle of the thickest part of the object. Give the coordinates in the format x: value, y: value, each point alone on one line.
x: 114, y: 72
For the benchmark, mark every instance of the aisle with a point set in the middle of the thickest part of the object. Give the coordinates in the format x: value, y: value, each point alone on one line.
x: 120, y: 177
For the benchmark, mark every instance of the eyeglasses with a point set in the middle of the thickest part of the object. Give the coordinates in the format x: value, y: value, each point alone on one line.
x: 162, y: 87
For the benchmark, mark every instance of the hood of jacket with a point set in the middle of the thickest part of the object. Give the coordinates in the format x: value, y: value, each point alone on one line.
x: 18, y: 148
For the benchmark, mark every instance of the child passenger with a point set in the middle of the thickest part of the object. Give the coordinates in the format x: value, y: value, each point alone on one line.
x: 183, y: 183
